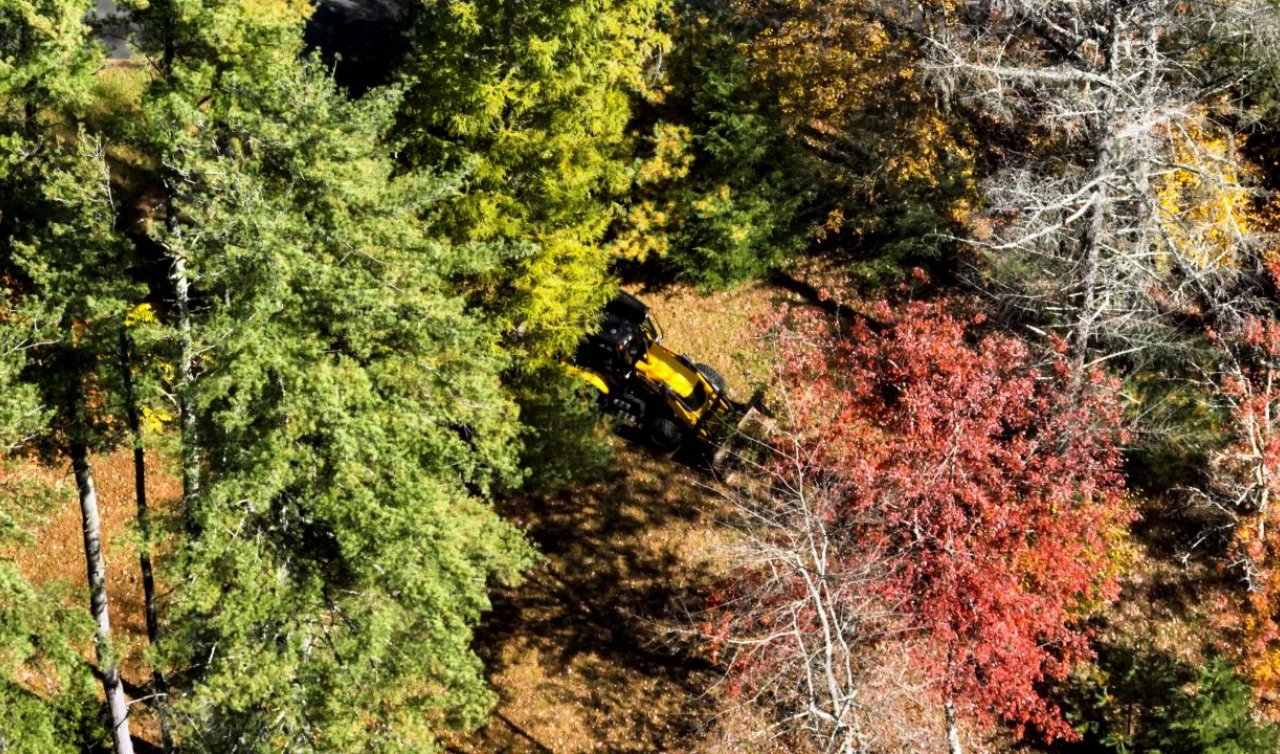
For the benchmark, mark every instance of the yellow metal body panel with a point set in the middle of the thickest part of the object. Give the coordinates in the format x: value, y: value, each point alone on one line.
x: 591, y: 377
x: 689, y: 404
x: 663, y: 367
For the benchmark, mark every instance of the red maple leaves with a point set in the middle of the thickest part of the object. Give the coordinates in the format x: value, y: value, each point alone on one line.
x: 984, y: 482
x: 1244, y: 481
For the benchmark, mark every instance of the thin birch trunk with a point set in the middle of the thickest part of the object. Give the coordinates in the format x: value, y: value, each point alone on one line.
x: 186, y: 381
x: 953, y: 729
x: 180, y: 277
x: 97, y: 572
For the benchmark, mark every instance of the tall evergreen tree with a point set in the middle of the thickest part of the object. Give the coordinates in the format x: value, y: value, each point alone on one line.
x: 531, y: 102
x: 344, y: 401
x: 61, y: 263
x: 533, y: 99
x: 68, y: 258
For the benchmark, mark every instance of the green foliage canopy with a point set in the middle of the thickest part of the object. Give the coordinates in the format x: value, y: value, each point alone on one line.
x: 722, y: 194
x: 1138, y: 700
x: 533, y: 100
x: 350, y: 415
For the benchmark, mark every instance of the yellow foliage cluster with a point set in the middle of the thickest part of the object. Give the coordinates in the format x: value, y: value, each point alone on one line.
x: 645, y: 229
x: 671, y: 159
x: 1206, y: 210
x: 562, y: 288
x: 850, y: 88
x: 711, y: 203
x: 643, y: 232
x: 827, y: 59
x: 153, y: 420
x: 142, y: 314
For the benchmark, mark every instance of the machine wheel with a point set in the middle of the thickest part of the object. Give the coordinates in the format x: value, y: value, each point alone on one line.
x: 665, y: 433
x: 714, y: 378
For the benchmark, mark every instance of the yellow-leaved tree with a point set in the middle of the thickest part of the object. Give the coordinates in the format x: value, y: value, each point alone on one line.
x: 848, y: 81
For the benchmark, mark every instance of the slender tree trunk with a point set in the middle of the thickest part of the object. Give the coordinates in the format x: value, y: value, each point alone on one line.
x: 98, y: 598
x: 1095, y: 229
x: 186, y: 381
x: 144, y: 526
x: 180, y: 277
x: 1092, y: 267
x: 953, y: 730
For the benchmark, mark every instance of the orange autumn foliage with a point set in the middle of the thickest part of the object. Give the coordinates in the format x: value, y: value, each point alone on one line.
x: 1249, y: 472
x: 847, y: 80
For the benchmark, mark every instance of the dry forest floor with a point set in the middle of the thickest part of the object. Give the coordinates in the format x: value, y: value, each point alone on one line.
x: 588, y: 654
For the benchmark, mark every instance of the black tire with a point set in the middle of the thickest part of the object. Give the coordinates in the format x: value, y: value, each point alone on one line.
x: 714, y: 377
x: 665, y: 434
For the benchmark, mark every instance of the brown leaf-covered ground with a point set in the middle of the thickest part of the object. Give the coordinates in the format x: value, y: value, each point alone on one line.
x: 589, y: 653
x: 581, y: 654
x: 56, y: 553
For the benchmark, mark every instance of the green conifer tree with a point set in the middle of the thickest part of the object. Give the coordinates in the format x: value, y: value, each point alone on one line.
x: 1139, y: 700
x: 344, y: 402
x: 534, y: 100
x: 724, y: 193
x: 65, y: 296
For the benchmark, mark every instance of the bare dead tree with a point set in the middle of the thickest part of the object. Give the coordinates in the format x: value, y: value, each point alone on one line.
x: 1242, y: 477
x: 804, y: 631
x: 1116, y: 113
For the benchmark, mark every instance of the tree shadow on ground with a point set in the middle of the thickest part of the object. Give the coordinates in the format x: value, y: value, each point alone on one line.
x: 583, y: 655
x: 1172, y: 586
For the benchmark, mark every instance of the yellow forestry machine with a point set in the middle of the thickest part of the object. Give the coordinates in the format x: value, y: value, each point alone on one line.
x: 664, y: 395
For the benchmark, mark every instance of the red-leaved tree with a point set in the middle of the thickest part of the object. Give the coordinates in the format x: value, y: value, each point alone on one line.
x: 960, y: 496
x: 1244, y: 480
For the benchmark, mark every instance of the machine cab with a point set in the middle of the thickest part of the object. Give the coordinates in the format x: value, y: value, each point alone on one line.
x: 625, y: 335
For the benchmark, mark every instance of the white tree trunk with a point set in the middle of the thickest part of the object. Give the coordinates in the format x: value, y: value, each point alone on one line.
x: 1098, y: 221
x: 953, y: 730
x: 186, y: 381
x: 98, y: 599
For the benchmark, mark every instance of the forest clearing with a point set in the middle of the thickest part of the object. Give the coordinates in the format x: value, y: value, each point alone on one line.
x: 804, y: 376
x: 594, y: 652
